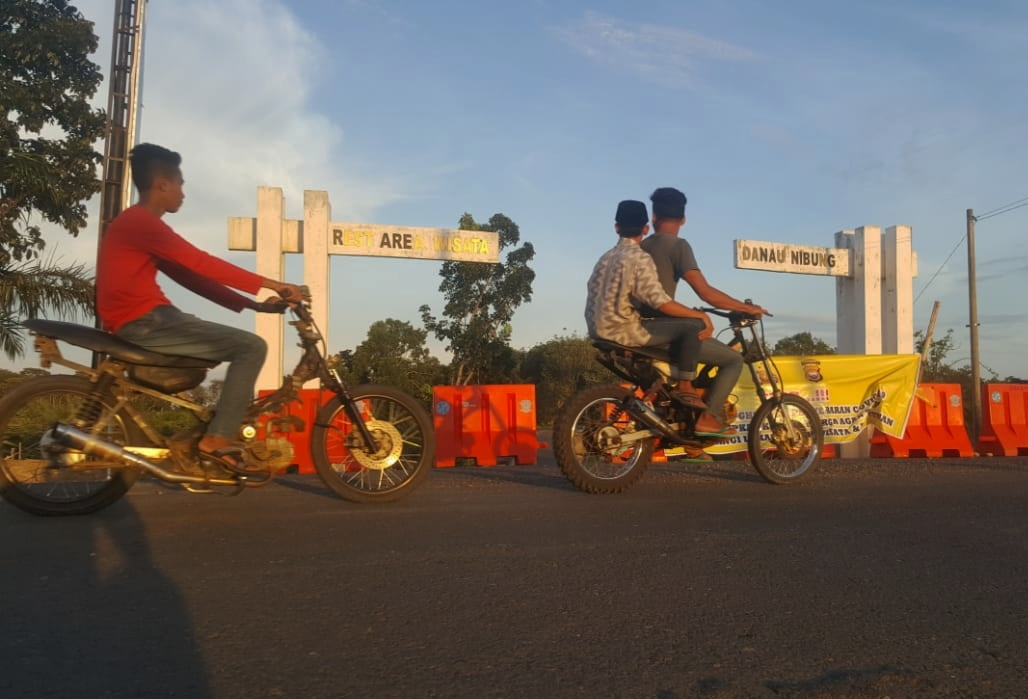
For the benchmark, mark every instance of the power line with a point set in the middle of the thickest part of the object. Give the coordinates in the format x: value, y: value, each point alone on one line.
x: 1006, y: 208
x: 1023, y: 201
x: 951, y: 253
x: 1000, y: 211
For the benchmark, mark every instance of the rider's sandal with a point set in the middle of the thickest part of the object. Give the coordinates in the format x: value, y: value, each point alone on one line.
x: 725, y: 432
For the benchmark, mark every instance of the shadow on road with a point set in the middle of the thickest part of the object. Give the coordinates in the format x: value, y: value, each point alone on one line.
x: 721, y: 469
x: 97, y: 617
x: 530, y: 475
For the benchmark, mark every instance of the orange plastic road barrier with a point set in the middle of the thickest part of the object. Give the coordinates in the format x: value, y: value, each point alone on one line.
x: 935, y: 428
x: 1004, y: 419
x: 485, y: 423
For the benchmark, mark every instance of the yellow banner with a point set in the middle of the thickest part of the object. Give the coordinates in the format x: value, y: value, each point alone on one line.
x: 849, y: 392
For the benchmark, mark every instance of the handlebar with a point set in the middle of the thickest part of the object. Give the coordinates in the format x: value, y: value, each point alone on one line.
x: 735, y: 317
x: 305, y: 293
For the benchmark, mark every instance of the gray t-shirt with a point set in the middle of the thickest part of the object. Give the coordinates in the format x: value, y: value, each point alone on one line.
x: 673, y: 257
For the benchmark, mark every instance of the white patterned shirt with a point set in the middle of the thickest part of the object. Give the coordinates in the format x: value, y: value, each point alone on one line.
x: 624, y: 278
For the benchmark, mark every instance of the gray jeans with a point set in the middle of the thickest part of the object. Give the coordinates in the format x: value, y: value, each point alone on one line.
x: 168, y: 330
x: 682, y: 335
x: 729, y: 363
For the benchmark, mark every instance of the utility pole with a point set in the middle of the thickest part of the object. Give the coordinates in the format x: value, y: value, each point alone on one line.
x: 122, y: 108
x: 976, y: 374
x: 122, y: 115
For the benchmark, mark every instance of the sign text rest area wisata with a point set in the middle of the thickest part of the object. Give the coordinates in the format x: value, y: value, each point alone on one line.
x: 376, y: 240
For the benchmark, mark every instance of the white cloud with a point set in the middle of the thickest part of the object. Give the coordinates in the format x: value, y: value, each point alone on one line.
x: 232, y: 87
x: 669, y: 56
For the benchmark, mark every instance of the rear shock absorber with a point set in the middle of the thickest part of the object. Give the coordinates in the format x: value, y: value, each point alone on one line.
x: 93, y: 406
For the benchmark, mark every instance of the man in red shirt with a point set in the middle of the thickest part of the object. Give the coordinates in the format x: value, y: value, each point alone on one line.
x: 136, y: 245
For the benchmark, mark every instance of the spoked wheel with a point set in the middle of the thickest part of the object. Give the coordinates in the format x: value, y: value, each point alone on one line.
x: 588, y: 442
x: 785, y: 439
x: 42, y: 477
x: 400, y: 458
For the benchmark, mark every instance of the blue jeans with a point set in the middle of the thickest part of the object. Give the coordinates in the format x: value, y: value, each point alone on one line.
x: 729, y: 367
x: 683, y: 336
x: 168, y: 330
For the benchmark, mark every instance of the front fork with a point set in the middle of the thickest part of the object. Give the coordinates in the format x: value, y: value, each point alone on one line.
x: 350, y: 407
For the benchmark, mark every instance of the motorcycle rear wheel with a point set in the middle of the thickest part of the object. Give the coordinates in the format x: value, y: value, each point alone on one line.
x: 586, y: 441
x: 44, y: 481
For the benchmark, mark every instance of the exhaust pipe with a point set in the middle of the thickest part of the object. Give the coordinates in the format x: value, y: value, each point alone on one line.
x: 640, y: 410
x: 75, y: 438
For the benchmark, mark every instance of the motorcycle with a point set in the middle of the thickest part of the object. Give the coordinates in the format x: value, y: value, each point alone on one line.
x: 74, y: 444
x: 604, y: 436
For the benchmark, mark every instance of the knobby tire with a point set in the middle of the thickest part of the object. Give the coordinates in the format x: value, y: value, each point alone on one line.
x: 582, y: 434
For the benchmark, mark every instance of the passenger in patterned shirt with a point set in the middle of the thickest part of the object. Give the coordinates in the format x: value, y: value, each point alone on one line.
x: 625, y: 279
x: 675, y: 260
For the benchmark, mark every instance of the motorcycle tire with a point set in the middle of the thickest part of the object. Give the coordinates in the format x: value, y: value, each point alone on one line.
x: 403, y: 454
x: 785, y: 439
x: 66, y: 482
x: 586, y: 436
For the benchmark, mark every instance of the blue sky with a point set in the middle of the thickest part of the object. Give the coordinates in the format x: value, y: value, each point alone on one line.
x: 781, y: 121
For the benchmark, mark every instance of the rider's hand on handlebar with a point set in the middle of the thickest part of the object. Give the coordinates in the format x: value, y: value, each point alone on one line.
x: 272, y: 304
x: 292, y: 294
x: 754, y: 310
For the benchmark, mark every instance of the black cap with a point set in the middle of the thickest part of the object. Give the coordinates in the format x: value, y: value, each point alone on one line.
x: 631, y: 213
x: 668, y: 202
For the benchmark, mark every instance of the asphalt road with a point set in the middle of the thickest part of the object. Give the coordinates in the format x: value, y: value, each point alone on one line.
x: 899, y: 578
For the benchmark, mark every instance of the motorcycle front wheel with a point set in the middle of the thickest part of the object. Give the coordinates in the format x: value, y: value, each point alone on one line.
x: 400, y: 458
x: 588, y: 444
x: 785, y: 439
x: 40, y: 476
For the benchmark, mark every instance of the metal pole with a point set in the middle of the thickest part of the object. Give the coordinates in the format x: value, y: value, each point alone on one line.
x: 976, y: 374
x: 122, y: 108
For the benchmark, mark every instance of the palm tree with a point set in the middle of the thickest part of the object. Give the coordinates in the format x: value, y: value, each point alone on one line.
x: 34, y: 288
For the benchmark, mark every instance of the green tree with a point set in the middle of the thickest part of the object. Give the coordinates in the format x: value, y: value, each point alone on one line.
x: 47, y: 160
x: 480, y: 303
x: 558, y: 368
x: 801, y: 345
x: 46, y: 81
x: 394, y: 353
x: 8, y: 379
x: 31, y: 289
x: 936, y: 369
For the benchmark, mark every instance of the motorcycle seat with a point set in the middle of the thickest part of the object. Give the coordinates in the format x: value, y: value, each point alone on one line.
x: 659, y: 353
x: 112, y: 345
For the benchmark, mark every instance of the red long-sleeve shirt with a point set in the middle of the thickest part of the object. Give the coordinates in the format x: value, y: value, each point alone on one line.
x: 138, y: 244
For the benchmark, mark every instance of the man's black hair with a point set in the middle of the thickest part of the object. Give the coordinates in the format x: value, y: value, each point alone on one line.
x: 149, y: 161
x: 668, y: 202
